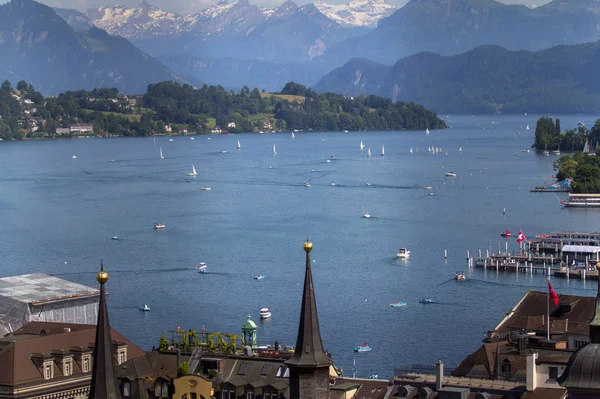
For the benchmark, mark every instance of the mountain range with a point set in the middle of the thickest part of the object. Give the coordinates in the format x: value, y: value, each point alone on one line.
x: 487, y: 79
x: 38, y: 46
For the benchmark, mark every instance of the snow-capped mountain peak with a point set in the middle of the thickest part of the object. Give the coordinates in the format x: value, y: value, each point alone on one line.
x: 357, y: 12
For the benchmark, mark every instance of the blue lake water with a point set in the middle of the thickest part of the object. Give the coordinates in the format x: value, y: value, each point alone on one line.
x: 255, y: 219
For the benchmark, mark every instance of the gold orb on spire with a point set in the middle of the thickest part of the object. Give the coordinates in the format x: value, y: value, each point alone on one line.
x: 308, y: 246
x: 102, y: 277
x: 598, y: 266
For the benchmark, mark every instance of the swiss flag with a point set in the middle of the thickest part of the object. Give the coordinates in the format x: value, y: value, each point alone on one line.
x: 521, y: 237
x: 552, y: 294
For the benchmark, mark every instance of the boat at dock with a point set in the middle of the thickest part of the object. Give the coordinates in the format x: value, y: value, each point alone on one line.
x: 363, y: 348
x: 397, y: 304
x: 554, y: 242
x: 582, y: 201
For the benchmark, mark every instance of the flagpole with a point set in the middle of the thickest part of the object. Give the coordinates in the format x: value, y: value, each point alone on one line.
x: 548, y: 304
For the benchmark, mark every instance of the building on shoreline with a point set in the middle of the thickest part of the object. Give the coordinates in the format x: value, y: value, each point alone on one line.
x: 39, y: 297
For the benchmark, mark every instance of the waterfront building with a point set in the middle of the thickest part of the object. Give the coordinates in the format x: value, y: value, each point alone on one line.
x: 46, y: 360
x: 309, y: 365
x: 39, y: 297
x: 581, y: 377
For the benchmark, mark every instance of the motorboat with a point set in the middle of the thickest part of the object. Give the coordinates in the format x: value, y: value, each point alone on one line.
x: 265, y: 313
x: 427, y: 188
x: 259, y: 277
x: 192, y: 138
x: 450, y: 174
x: 203, y: 268
x: 158, y: 226
x: 74, y: 156
x: 506, y: 234
x: 363, y: 348
x: 397, y: 304
x: 115, y: 238
x: 426, y: 300
x: 206, y: 189
x: 333, y: 184
x: 403, y: 253
x: 307, y: 184
x: 145, y: 308
x: 460, y: 276
x: 367, y: 215
x: 112, y: 160
x: 170, y: 139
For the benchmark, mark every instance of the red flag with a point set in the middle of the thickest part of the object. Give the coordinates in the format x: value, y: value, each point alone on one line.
x: 521, y: 237
x: 552, y: 294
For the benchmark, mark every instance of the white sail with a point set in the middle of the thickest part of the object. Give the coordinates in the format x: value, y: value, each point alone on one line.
x: 382, y: 150
x: 369, y: 152
x: 193, y: 172
x: 154, y: 140
x: 161, y: 154
x: 293, y: 135
x: 527, y: 127
x: 411, y: 151
x: 238, y: 145
x: 362, y: 146
x: 428, y: 149
x: 274, y: 150
x: 459, y: 149
x: 426, y: 131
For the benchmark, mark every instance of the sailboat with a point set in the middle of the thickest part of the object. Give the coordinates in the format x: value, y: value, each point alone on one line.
x: 293, y: 135
x: 459, y: 149
x: 411, y: 151
x: 427, y: 131
x: 161, y: 154
x: 154, y: 140
x: 362, y: 146
x: 369, y: 152
x: 527, y: 127
x: 274, y: 150
x: 193, y: 172
x: 546, y: 153
x: 382, y: 150
x: 238, y: 145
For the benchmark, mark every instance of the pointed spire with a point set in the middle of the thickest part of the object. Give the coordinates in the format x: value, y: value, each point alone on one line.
x: 595, y: 322
x: 104, y: 382
x: 309, y: 351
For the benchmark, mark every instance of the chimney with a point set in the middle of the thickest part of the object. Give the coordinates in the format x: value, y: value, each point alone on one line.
x: 531, y: 372
x: 276, y: 345
x: 439, y: 374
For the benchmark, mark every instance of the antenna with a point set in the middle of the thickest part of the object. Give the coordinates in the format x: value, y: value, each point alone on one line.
x: 354, y: 368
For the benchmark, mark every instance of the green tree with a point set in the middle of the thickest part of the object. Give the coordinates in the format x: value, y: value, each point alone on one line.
x: 183, y: 369
x: 6, y: 86
x: 163, y: 343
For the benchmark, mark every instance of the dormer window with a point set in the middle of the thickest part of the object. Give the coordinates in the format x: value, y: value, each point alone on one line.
x: 85, y: 364
x: 122, y: 356
x: 48, y: 370
x: 67, y: 367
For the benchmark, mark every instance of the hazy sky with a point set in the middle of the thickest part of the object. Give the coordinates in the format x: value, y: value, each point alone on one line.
x: 189, y: 6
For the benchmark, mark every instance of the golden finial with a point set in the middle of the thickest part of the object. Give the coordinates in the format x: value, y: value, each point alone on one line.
x: 102, y: 276
x: 598, y: 266
x: 307, y: 245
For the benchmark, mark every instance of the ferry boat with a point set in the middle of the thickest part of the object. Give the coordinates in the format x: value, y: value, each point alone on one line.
x: 582, y: 201
x: 397, y: 304
x: 363, y: 348
x: 158, y: 226
x: 460, y: 276
x: 403, y: 253
x: 554, y: 242
x: 265, y: 313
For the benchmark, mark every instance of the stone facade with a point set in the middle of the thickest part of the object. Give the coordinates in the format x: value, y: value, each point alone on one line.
x: 309, y: 383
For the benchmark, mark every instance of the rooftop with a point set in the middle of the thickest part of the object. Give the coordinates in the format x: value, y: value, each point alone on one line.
x: 39, y: 288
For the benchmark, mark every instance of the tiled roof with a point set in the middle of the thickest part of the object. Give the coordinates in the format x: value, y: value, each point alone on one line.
x: 367, y: 388
x: 545, y: 393
x: 40, y: 287
x: 16, y: 349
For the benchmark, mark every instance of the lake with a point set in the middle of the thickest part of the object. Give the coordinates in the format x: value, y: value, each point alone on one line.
x: 255, y: 220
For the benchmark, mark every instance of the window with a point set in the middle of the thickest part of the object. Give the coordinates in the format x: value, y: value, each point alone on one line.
x: 506, y: 366
x: 243, y: 369
x: 579, y: 343
x: 158, y: 389
x: 283, y: 372
x: 552, y: 373
x: 165, y: 389
x: 67, y: 367
x: 193, y: 395
x: 86, y: 364
x: 250, y: 395
x: 122, y: 356
x: 126, y: 388
x: 47, y: 371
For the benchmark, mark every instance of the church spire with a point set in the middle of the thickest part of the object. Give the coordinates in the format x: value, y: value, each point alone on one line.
x: 595, y: 322
x: 104, y: 382
x: 309, y: 351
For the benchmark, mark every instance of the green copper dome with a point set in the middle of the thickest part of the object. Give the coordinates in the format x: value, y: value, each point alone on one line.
x: 249, y: 325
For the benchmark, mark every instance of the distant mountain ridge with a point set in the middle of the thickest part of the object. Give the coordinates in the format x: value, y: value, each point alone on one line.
x: 38, y: 46
x: 487, y: 79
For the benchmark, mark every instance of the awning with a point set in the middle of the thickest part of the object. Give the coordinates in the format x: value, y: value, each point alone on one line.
x: 583, y: 249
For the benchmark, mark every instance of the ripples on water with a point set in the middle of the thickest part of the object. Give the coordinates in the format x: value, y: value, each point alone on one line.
x: 255, y: 219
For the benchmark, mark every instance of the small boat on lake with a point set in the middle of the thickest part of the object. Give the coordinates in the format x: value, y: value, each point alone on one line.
x: 450, y: 174
x: 369, y: 152
x: 460, y: 276
x: 158, y: 226
x: 259, y: 277
x: 382, y: 151
x: 506, y: 234
x: 397, y: 304
x: 145, y: 308
x: 363, y: 348
x: 206, y: 189
x: 307, y: 184
x: 115, y: 238
x: 362, y: 146
x: 74, y: 156
x: 274, y: 150
x: 426, y: 300
x: 403, y: 253
x: 203, y: 268
x: 367, y: 215
x: 161, y: 154
x: 193, y: 173
x: 265, y: 313
x: 238, y: 145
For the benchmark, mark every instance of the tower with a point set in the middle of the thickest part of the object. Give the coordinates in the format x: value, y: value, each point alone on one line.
x: 582, y: 374
x: 104, y: 383
x: 249, y: 333
x: 309, y: 365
